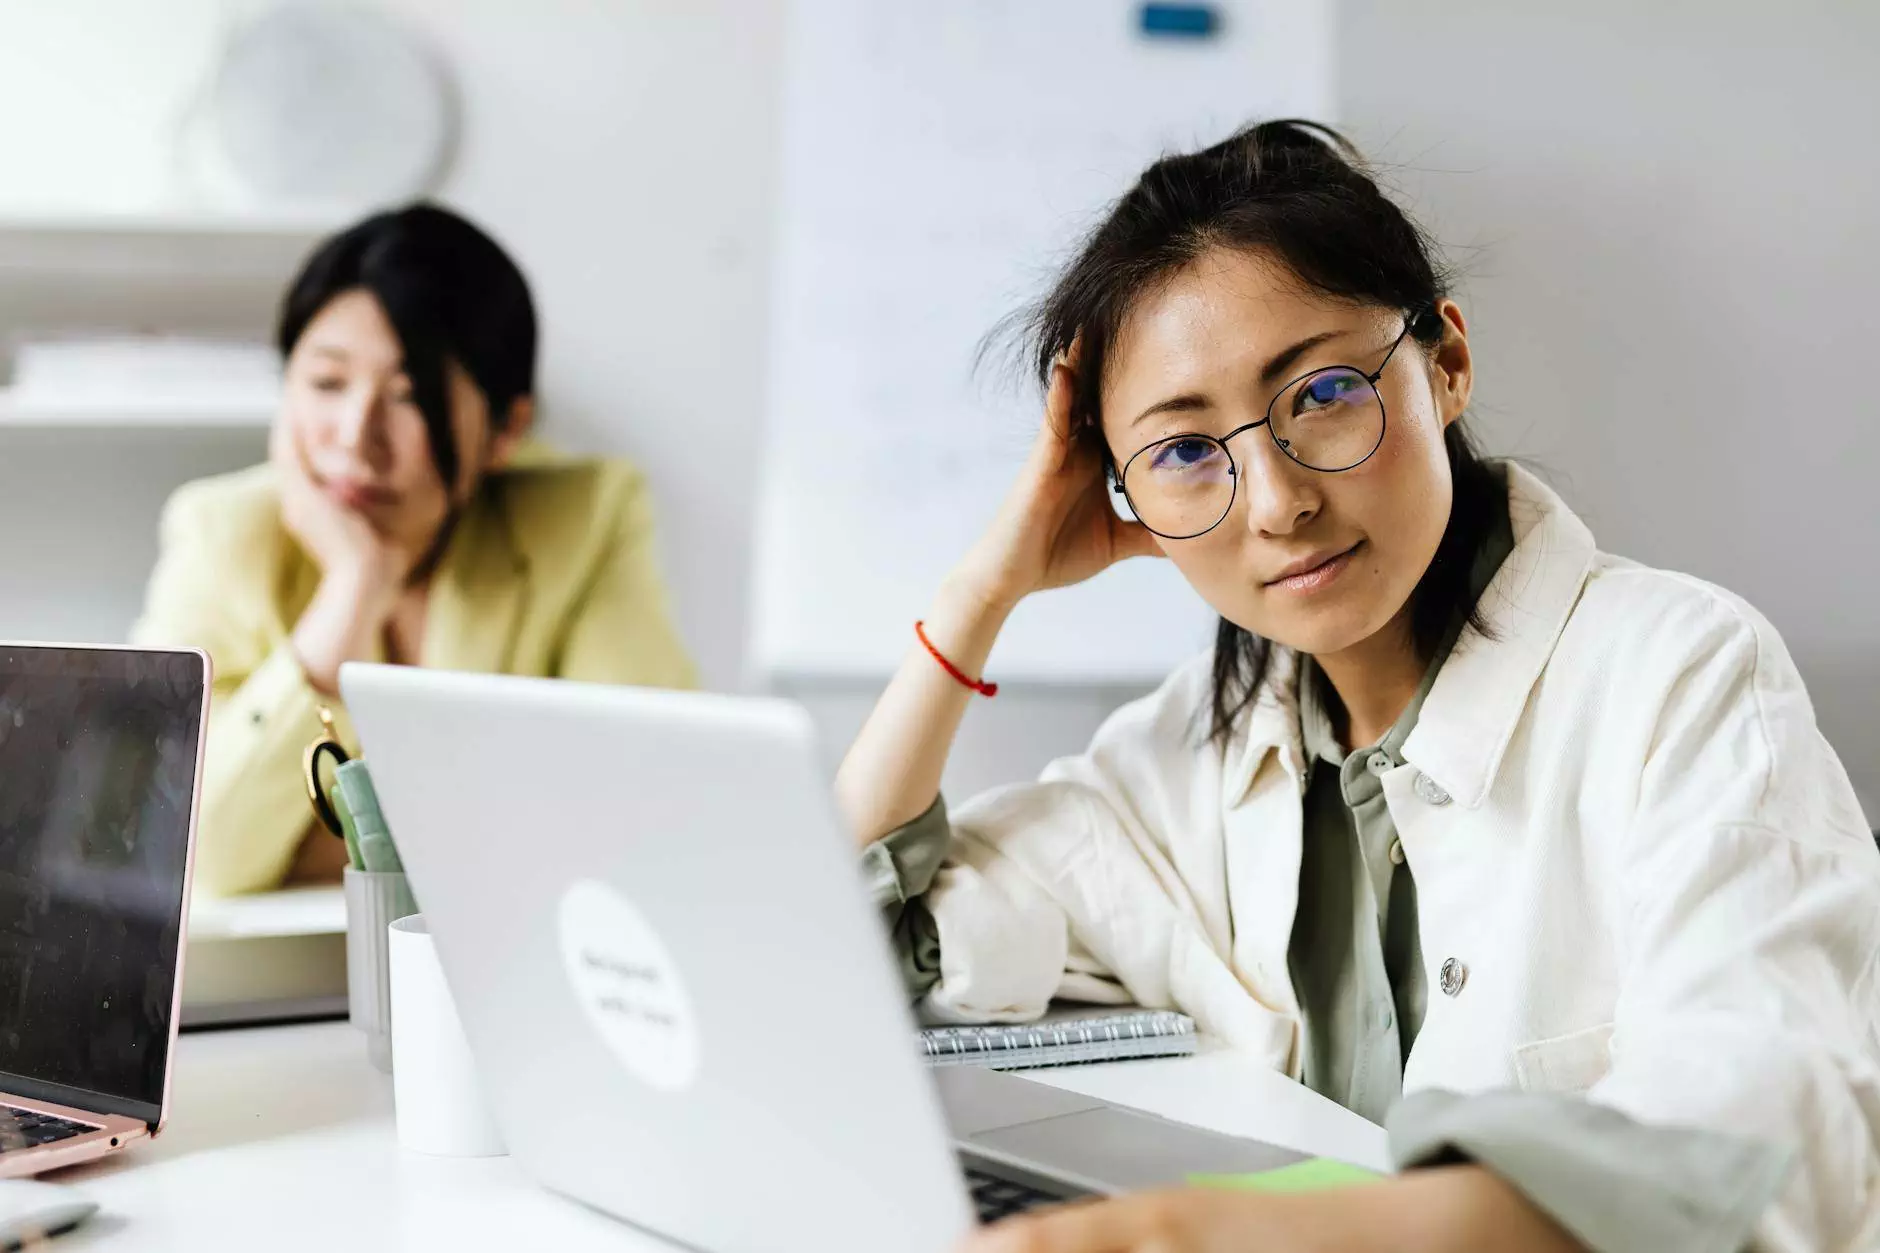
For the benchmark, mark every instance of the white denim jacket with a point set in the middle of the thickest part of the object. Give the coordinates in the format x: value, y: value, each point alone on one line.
x: 1642, y: 874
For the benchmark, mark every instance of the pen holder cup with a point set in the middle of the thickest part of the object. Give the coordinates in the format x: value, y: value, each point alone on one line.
x: 374, y: 901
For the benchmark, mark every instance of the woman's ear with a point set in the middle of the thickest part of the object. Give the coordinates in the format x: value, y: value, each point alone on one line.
x: 514, y: 432
x: 1452, y: 369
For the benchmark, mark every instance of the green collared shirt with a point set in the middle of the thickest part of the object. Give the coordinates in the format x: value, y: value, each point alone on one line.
x: 1356, y: 958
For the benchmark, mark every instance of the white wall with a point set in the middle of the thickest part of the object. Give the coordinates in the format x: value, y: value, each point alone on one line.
x: 90, y: 93
x: 1666, y: 215
x: 1661, y: 208
x: 628, y: 151
x: 625, y: 151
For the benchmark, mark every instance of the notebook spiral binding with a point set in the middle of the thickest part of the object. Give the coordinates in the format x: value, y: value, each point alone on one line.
x: 1107, y: 1037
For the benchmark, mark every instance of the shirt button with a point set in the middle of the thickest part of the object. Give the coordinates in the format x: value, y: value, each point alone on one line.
x: 1429, y: 791
x: 1396, y: 852
x: 1378, y: 764
x: 1454, y: 975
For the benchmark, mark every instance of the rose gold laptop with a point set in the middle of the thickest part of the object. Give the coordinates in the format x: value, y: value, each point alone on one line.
x: 100, y: 775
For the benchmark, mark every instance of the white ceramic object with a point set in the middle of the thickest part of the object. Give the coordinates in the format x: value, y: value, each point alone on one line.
x: 440, y: 1103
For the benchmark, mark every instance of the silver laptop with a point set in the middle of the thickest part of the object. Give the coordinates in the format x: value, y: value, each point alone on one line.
x: 682, y: 1006
x: 100, y: 771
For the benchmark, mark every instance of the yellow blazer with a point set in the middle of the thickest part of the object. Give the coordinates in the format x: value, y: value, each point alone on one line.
x: 551, y: 572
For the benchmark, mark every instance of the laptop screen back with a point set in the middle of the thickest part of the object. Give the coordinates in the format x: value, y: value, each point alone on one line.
x: 98, y: 764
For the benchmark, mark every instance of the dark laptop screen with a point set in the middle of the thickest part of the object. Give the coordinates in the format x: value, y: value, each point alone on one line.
x: 97, y: 774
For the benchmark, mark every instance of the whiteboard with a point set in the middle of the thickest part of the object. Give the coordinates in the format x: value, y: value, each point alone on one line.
x: 939, y: 161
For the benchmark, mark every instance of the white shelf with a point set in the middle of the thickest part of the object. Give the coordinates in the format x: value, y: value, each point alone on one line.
x: 185, y: 275
x: 241, y: 416
x: 145, y: 249
x: 207, y: 222
x: 95, y: 461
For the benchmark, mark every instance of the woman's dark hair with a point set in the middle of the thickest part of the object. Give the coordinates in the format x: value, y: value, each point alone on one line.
x: 1300, y: 192
x: 451, y: 293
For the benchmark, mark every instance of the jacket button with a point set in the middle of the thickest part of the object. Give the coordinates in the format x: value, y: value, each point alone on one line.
x: 1454, y: 975
x: 1396, y: 852
x: 1429, y: 791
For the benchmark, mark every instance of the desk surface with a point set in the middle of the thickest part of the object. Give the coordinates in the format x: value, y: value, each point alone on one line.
x: 283, y: 1139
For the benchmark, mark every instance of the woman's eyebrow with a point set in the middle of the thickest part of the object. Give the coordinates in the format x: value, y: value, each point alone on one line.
x: 1286, y: 358
x: 1276, y: 366
x: 1187, y: 402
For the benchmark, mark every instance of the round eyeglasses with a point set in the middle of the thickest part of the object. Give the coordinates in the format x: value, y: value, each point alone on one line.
x: 1330, y: 420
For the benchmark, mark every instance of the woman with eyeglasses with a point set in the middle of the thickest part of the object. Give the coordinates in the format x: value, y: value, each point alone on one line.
x: 1532, y: 852
x: 405, y: 516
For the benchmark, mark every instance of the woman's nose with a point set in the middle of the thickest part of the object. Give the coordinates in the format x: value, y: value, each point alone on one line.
x: 1278, y: 494
x: 359, y: 421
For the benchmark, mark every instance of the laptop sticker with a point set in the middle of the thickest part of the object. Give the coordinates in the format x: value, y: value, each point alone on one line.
x: 627, y: 986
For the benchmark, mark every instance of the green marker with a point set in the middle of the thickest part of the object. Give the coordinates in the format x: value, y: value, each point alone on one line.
x: 377, y: 853
x: 348, y: 829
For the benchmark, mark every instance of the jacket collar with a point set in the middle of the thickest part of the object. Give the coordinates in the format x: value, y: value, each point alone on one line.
x: 1272, y: 727
x: 1476, y: 702
x: 479, y: 591
x: 1480, y: 693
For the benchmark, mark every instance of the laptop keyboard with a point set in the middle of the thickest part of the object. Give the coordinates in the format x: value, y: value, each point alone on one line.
x: 997, y: 1198
x: 28, y: 1129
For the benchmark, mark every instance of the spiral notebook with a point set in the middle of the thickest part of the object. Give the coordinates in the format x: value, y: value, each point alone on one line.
x: 1063, y: 1038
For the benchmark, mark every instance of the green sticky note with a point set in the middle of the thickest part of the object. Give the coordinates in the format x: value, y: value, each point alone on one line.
x: 1313, y: 1175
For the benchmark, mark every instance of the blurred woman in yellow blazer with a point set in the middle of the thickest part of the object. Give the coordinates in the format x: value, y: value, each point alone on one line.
x: 402, y: 516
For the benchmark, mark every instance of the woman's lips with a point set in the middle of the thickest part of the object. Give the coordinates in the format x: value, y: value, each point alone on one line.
x: 360, y: 496
x: 1312, y: 578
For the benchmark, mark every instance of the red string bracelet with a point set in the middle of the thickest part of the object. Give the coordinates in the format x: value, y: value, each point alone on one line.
x: 978, y: 685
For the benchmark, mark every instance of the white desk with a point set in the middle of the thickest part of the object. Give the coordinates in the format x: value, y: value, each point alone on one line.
x: 282, y: 1139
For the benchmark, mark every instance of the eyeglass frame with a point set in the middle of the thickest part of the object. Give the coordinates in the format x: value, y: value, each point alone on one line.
x: 1233, y: 469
